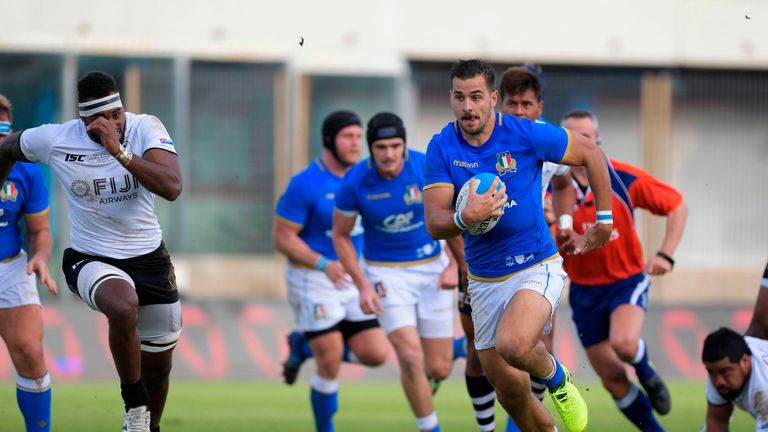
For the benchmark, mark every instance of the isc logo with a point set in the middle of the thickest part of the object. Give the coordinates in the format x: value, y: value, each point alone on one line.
x: 73, y: 158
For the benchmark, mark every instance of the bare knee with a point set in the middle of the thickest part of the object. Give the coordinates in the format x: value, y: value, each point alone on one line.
x: 624, y: 346
x: 513, y: 350
x: 411, y: 361
x: 124, y: 313
x: 27, y: 356
x: 439, y: 368
x: 615, y: 381
x: 373, y: 356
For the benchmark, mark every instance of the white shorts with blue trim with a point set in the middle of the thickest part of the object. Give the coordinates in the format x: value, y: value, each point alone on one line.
x: 412, y: 296
x: 17, y: 288
x: 317, y: 303
x: 490, y: 299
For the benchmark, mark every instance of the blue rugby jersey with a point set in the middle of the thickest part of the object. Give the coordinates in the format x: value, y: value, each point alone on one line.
x: 308, y: 204
x: 515, y: 152
x: 392, y: 212
x: 23, y: 194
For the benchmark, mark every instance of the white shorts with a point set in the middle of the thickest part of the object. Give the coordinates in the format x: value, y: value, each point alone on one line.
x: 412, y: 297
x: 316, y: 302
x: 159, y: 325
x: 17, y: 288
x: 490, y: 299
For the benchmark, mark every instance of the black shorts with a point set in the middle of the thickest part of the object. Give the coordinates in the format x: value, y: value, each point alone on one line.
x: 465, y: 308
x: 347, y: 328
x: 152, y: 273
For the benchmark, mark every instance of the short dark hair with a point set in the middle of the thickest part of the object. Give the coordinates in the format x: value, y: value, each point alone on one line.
x: 95, y: 85
x: 580, y: 113
x: 518, y: 80
x: 467, y: 69
x: 724, y: 343
x: 6, y: 107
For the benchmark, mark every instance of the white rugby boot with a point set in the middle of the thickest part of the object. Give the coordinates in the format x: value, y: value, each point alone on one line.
x: 136, y: 420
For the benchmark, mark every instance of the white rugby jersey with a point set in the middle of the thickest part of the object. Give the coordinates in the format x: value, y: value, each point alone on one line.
x: 754, y: 397
x: 111, y: 214
x: 548, y: 170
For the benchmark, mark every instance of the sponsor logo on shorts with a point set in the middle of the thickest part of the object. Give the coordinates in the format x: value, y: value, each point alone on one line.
x: 380, y: 290
x: 533, y: 282
x: 319, y: 312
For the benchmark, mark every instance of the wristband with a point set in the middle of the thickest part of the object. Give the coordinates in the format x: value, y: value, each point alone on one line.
x: 459, y: 222
x: 565, y: 222
x: 322, y: 263
x: 668, y: 258
x: 604, y: 217
x: 123, y: 156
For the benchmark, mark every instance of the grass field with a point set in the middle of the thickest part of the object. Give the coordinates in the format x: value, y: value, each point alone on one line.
x: 270, y: 406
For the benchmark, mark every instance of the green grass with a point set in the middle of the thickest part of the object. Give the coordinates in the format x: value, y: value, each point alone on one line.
x: 365, y: 406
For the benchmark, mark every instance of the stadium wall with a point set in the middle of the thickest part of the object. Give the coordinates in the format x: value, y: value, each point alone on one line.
x: 246, y: 340
x: 376, y: 37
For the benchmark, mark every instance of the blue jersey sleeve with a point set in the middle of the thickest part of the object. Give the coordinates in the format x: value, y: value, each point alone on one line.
x: 550, y: 142
x: 292, y: 206
x: 346, y: 196
x: 37, y: 200
x: 436, y: 172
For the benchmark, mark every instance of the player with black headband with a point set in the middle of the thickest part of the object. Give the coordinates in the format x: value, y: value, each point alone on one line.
x: 325, y: 303
x: 111, y: 164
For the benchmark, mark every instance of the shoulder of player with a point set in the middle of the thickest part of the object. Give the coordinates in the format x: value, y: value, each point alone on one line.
x: 74, y: 127
x: 757, y: 345
x: 359, y: 170
x: 27, y: 169
x: 416, y: 155
x: 446, y: 135
x: 624, y: 167
x: 141, y: 120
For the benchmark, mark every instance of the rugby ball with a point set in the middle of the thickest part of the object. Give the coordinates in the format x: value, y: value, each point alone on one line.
x: 486, y: 179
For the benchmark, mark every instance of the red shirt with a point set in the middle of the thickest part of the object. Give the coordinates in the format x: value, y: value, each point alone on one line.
x: 622, y: 256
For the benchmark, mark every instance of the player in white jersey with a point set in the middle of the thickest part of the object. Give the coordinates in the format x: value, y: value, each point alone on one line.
x: 23, y: 195
x: 759, y: 325
x: 737, y: 375
x: 111, y: 164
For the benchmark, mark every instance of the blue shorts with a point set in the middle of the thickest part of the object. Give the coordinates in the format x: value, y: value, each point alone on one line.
x: 592, y: 305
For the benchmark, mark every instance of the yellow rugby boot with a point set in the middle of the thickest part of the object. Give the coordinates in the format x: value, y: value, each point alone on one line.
x: 570, y: 405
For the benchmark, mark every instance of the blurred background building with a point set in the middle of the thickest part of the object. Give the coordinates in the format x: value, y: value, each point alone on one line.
x: 681, y: 88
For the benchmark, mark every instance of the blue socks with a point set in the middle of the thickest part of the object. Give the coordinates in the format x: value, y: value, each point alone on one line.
x: 34, y: 399
x: 640, y: 362
x: 511, y: 426
x: 637, y: 408
x: 459, y: 347
x: 325, y: 402
x: 556, y: 377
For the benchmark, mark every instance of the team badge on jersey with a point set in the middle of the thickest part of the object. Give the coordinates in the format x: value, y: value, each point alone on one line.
x: 319, y: 312
x: 505, y: 163
x: 412, y: 195
x: 9, y: 192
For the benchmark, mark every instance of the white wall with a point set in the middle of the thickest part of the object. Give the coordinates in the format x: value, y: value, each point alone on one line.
x: 359, y: 36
